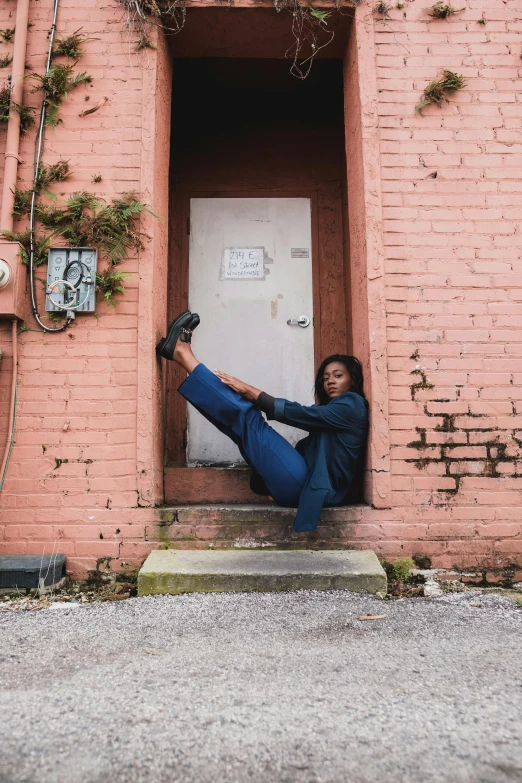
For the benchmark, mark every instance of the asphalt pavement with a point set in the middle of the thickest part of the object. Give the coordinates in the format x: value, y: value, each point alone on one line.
x: 252, y: 687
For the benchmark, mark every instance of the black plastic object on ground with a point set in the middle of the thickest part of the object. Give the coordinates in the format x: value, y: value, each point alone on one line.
x: 31, y: 571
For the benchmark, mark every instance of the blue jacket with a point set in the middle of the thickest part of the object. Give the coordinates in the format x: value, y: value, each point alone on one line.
x: 337, y: 439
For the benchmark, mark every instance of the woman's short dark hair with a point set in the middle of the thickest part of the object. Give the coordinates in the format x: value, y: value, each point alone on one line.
x: 354, y: 368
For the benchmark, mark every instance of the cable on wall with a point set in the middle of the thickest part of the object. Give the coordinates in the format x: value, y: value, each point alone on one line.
x: 38, y: 149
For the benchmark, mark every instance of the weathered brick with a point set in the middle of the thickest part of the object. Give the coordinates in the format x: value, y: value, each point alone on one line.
x: 452, y: 246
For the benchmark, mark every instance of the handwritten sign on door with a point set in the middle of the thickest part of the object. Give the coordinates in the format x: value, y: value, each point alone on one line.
x: 243, y: 263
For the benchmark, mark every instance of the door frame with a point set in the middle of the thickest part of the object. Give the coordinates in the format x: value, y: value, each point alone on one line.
x: 366, y: 299
x: 176, y: 431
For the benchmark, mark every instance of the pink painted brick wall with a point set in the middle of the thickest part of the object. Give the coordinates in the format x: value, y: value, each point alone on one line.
x: 452, y: 217
x: 72, y: 482
x: 452, y: 210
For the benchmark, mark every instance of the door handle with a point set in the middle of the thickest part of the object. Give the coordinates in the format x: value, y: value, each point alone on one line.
x: 302, y: 320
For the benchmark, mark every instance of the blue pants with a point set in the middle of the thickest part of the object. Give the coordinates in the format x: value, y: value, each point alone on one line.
x: 281, y: 467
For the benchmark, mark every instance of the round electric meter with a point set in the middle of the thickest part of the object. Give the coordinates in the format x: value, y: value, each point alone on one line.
x: 5, y: 273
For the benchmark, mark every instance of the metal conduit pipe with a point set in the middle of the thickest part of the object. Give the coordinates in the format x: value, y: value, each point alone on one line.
x: 10, y: 174
x: 13, y: 127
x: 11, y: 426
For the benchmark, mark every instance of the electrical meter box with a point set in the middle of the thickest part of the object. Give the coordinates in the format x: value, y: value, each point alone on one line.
x: 71, y: 279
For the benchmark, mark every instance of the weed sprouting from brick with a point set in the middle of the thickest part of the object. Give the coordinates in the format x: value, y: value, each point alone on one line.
x: 7, y: 105
x: 71, y: 46
x: 5, y: 60
x: 57, y: 84
x: 437, y: 91
x: 26, y: 116
x: 382, y: 8
x: 402, y: 567
x: 110, y: 282
x: 443, y: 10
x: 144, y: 42
x: 7, y: 35
x: 401, y: 582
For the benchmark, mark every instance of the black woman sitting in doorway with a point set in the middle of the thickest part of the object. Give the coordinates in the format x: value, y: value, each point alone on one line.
x: 320, y: 469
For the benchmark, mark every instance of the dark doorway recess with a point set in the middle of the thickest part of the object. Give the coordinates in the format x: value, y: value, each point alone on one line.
x: 251, y: 122
x: 247, y: 128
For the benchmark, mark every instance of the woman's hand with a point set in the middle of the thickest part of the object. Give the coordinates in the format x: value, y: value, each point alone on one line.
x: 247, y: 391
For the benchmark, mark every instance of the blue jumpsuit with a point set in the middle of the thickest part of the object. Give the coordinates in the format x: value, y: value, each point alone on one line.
x: 318, y: 472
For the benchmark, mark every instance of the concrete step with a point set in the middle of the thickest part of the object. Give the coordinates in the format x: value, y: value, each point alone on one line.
x: 217, y: 571
x: 246, y: 526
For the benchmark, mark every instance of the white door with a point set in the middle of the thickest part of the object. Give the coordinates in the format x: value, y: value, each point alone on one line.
x: 250, y: 272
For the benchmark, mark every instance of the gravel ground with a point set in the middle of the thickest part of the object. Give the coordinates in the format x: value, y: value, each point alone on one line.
x: 248, y: 688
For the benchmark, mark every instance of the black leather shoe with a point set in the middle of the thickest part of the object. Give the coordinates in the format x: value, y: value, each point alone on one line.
x: 166, y: 346
x: 194, y: 321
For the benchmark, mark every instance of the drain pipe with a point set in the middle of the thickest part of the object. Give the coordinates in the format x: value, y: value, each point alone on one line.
x: 12, y: 409
x: 13, y: 127
x: 10, y: 173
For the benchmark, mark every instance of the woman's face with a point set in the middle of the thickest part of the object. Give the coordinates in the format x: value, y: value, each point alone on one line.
x: 336, y: 380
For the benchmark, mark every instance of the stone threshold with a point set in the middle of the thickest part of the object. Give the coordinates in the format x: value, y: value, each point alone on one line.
x: 216, y: 571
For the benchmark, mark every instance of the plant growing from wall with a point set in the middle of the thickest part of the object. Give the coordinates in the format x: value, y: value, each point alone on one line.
x: 144, y: 42
x: 309, y: 25
x: 71, y: 45
x: 437, y: 91
x: 46, y: 176
x: 443, y: 10
x: 7, y: 106
x: 7, y: 35
x: 85, y: 221
x: 6, y: 60
x: 402, y: 567
x: 26, y: 116
x: 57, y: 84
x: 109, y: 283
x: 382, y: 8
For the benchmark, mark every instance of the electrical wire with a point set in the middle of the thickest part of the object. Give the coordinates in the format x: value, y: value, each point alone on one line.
x: 68, y: 268
x: 38, y: 149
x: 73, y: 290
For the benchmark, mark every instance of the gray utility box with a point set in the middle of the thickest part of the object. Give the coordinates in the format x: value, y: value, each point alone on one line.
x: 29, y: 572
x: 72, y: 264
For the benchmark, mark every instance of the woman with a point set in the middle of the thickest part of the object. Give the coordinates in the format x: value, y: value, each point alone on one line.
x: 320, y: 469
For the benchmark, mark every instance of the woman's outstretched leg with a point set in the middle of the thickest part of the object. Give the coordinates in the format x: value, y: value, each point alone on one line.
x: 281, y: 467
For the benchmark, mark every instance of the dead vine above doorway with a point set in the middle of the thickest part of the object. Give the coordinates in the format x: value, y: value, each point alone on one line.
x: 309, y: 25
